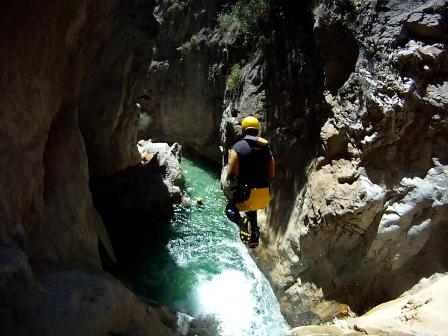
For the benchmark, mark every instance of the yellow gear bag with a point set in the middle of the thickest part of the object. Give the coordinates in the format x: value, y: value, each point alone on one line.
x: 258, y: 199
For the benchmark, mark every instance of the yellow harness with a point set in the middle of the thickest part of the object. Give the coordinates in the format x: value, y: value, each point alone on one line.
x: 259, y: 199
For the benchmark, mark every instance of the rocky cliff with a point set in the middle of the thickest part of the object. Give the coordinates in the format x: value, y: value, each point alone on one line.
x: 181, y: 101
x: 364, y: 219
x: 54, y: 129
x: 353, y: 98
x: 354, y: 103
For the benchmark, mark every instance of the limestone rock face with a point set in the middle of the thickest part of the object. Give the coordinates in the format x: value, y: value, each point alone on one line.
x: 419, y: 311
x: 48, y: 223
x: 181, y: 100
x: 40, y: 136
x: 352, y: 96
x: 108, y: 112
x: 168, y: 158
x: 142, y: 191
x: 369, y: 219
x: 249, y: 100
x: 76, y: 303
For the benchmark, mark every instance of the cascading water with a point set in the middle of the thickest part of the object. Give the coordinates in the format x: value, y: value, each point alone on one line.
x: 204, y: 268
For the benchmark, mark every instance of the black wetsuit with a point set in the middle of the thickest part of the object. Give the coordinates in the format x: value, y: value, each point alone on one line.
x: 254, y: 158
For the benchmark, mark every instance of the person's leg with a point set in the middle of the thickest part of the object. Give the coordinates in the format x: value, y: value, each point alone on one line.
x: 232, y: 213
x: 252, y: 215
x: 254, y: 229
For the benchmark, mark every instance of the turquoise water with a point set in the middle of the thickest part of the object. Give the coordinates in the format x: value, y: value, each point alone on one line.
x: 203, y: 268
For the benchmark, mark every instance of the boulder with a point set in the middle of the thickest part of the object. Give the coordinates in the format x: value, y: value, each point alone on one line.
x: 419, y: 311
x: 144, y: 191
x: 168, y: 158
x: 75, y: 303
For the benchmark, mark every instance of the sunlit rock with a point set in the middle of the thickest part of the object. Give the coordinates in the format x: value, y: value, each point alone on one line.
x: 364, y: 215
x: 419, y: 311
x: 167, y: 157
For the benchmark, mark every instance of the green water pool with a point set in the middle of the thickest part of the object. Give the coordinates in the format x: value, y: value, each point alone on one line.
x: 202, y: 267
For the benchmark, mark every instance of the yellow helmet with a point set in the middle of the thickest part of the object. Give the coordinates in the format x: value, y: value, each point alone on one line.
x: 250, y: 123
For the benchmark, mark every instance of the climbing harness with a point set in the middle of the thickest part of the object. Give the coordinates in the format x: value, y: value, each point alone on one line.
x: 258, y: 199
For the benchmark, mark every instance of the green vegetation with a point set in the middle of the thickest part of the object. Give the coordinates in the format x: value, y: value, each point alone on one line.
x: 214, y: 70
x: 194, y: 41
x: 175, y: 8
x: 250, y: 15
x: 235, y: 79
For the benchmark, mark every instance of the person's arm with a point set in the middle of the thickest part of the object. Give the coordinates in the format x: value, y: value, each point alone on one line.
x: 233, y: 164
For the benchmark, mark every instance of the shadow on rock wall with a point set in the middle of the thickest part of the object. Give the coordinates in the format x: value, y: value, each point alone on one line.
x: 107, y: 111
x: 366, y: 216
x: 49, y: 230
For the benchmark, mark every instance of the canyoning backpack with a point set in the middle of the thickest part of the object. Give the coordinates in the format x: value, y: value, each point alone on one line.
x: 253, y: 157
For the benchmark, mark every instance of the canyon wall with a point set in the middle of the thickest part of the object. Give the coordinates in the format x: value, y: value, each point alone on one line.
x: 181, y: 100
x: 108, y: 114
x: 352, y: 96
x: 52, y: 280
x: 364, y: 216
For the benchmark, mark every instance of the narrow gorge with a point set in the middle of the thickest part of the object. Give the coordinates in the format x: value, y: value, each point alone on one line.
x: 116, y: 117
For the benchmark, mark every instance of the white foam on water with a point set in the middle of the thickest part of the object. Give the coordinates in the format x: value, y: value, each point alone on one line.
x: 240, y: 297
x: 228, y: 296
x: 242, y: 300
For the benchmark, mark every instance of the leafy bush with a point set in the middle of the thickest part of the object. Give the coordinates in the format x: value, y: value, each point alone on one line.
x: 251, y: 15
x: 194, y: 41
x: 175, y: 8
x: 235, y: 79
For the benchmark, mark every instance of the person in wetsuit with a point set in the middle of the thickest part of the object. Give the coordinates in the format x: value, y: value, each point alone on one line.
x: 251, y: 166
